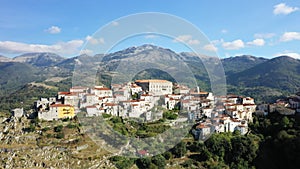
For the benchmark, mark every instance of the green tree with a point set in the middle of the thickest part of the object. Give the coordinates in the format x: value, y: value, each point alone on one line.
x: 143, y: 163
x: 179, y: 150
x: 58, y: 128
x: 285, y: 122
x: 159, y: 161
x: 168, y: 155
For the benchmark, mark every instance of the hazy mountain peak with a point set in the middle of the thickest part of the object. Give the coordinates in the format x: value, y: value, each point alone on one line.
x: 143, y: 51
x: 39, y: 59
x: 285, y: 57
x: 4, y: 59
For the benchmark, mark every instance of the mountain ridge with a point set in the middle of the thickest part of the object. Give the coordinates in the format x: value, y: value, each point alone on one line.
x: 280, y: 74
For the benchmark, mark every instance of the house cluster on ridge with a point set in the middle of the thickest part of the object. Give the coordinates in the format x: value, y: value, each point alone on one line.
x: 230, y: 113
x: 141, y: 99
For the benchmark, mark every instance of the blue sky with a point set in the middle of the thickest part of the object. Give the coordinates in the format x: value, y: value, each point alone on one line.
x: 234, y: 27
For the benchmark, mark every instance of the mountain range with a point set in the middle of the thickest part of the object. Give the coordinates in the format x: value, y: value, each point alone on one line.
x: 258, y: 77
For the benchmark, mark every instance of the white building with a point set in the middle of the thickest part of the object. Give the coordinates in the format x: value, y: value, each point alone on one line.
x: 155, y: 86
x: 101, y: 91
x: 72, y: 99
x: 18, y: 112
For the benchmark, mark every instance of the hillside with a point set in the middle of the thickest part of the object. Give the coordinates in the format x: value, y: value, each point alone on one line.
x: 240, y: 63
x: 280, y: 73
x: 13, y: 75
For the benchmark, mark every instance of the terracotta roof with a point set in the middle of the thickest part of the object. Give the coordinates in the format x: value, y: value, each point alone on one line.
x: 110, y: 104
x: 72, y: 94
x: 152, y: 81
x: 64, y: 93
x: 101, y: 88
x: 201, y: 126
x: 60, y: 105
x: 146, y: 95
x: 202, y: 93
x: 90, y: 107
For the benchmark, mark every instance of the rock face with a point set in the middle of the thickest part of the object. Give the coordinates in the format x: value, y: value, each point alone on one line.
x: 22, y: 148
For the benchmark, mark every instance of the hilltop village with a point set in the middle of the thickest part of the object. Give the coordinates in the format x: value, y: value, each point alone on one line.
x: 147, y: 100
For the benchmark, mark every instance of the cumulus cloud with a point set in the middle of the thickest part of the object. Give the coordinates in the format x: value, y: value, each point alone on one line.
x: 210, y: 47
x: 288, y: 36
x: 264, y: 35
x: 257, y: 42
x: 63, y: 48
x: 234, y: 45
x: 282, y: 8
x: 188, y: 39
x: 95, y: 41
x: 53, y: 30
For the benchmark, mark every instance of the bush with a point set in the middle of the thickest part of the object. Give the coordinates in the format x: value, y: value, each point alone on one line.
x: 122, y: 162
x: 169, y: 115
x: 168, y: 155
x: 49, y: 135
x: 159, y: 161
x: 60, y: 135
x: 45, y: 129
x: 71, y: 125
x: 58, y: 128
x: 104, y: 115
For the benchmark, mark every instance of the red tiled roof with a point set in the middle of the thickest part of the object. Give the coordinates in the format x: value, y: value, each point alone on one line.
x: 60, y: 105
x: 110, y: 104
x: 152, y: 81
x: 90, y: 107
x: 101, y: 88
x: 64, y: 93
x: 142, y: 152
x: 72, y: 94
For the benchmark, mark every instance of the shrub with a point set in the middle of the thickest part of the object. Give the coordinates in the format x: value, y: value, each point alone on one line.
x: 104, y: 115
x: 58, y: 128
x: 71, y: 125
x: 60, y: 135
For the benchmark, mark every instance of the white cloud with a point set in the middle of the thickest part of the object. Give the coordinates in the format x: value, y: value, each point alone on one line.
x: 288, y: 53
x: 288, y: 36
x: 210, y: 47
x: 217, y: 42
x: 264, y: 35
x: 86, y: 52
x: 63, y: 48
x: 53, y: 30
x: 94, y: 41
x: 282, y: 8
x: 257, y: 42
x: 188, y: 39
x: 234, y: 45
